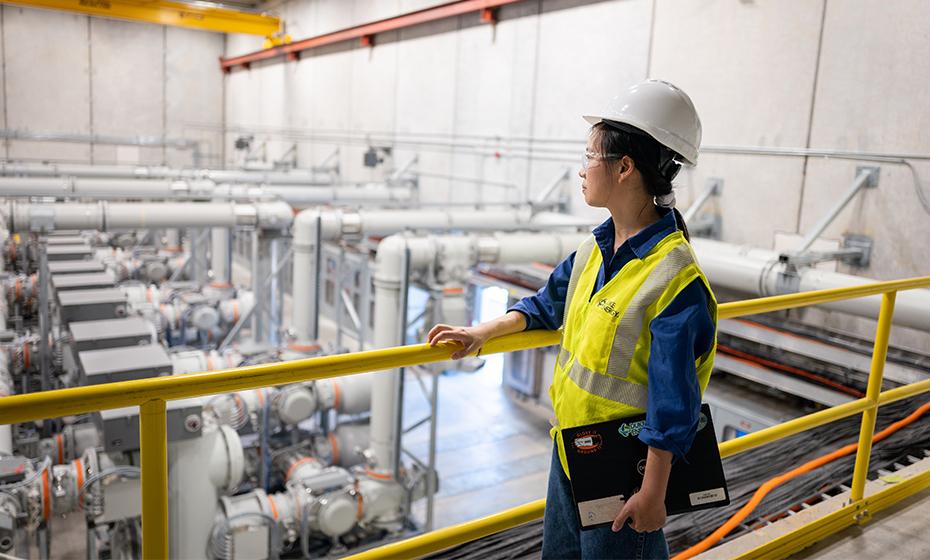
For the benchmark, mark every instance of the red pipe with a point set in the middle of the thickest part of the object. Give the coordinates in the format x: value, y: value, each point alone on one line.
x: 367, y: 31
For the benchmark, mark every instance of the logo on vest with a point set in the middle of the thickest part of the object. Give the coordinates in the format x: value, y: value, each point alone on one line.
x: 631, y: 428
x: 702, y: 421
x: 588, y: 442
x: 607, y: 307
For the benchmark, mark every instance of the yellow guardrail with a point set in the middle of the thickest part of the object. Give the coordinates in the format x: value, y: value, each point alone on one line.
x: 151, y: 394
x: 859, y: 508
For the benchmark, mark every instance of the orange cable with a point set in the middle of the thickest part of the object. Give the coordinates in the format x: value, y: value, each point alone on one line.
x: 334, y: 448
x: 46, y: 496
x: 274, y: 508
x: 770, y: 484
x: 79, y: 470
x: 741, y: 356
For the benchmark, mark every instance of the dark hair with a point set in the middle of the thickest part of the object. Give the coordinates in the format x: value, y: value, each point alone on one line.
x: 656, y: 164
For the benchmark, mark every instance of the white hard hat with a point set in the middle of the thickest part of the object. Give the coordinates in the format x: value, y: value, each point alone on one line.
x: 661, y: 110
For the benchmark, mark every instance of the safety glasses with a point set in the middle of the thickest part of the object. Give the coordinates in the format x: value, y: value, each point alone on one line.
x: 588, y: 157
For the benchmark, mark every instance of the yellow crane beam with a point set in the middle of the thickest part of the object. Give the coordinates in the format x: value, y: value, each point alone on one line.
x: 196, y: 15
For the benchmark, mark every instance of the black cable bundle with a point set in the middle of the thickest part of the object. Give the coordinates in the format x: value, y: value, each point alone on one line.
x: 745, y: 473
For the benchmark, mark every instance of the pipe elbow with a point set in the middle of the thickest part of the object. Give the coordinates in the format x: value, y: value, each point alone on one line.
x: 390, y: 258
x: 274, y: 215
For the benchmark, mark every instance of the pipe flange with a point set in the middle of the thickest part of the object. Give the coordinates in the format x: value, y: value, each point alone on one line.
x: 246, y: 215
x: 489, y: 250
x: 351, y: 224
x: 103, y: 207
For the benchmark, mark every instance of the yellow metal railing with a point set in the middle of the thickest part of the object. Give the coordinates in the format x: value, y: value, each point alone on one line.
x: 859, y: 508
x: 151, y: 394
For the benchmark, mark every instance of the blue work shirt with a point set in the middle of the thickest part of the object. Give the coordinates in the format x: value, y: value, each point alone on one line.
x: 683, y: 332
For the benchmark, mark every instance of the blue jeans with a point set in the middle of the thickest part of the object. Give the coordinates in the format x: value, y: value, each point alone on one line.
x: 563, y: 537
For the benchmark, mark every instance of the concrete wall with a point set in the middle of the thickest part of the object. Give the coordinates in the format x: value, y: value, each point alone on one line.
x: 72, y: 74
x: 783, y: 74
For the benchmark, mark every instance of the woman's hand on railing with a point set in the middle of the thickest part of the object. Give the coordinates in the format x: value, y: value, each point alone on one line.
x: 471, y: 338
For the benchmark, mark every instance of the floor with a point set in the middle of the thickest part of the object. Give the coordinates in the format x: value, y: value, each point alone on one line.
x: 899, y: 533
x: 492, y: 453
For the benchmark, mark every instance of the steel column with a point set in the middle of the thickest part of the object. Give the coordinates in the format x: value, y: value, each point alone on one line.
x: 153, y: 443
x: 879, y: 353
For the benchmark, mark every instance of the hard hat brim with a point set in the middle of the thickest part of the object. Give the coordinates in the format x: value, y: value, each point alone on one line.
x: 594, y: 119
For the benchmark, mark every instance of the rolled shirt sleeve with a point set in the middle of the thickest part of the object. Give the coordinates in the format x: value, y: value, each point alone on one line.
x: 681, y: 333
x: 546, y: 309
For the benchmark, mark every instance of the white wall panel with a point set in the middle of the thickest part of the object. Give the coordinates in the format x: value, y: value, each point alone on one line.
x: 485, y: 106
x: 583, y: 61
x: 749, y: 68
x: 47, y: 79
x: 427, y: 94
x: 872, y: 102
x: 194, y: 92
x: 128, y: 85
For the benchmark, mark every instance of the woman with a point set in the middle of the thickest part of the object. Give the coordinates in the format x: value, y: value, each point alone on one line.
x: 643, y: 336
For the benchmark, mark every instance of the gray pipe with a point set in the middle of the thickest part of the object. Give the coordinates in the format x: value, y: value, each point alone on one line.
x: 104, y: 216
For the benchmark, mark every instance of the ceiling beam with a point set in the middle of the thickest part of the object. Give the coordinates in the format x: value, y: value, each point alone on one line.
x: 198, y: 15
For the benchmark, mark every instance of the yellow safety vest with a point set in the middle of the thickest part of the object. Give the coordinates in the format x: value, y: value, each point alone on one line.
x: 601, y: 371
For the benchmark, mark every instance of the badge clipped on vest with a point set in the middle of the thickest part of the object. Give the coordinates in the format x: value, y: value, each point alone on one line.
x: 607, y: 462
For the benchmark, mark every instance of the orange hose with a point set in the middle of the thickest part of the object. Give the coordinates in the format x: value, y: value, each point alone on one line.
x: 770, y: 484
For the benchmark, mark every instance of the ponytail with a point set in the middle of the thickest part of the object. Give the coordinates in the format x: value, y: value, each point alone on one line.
x: 681, y: 224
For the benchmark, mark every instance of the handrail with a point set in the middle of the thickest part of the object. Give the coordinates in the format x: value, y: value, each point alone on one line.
x: 151, y: 395
x: 80, y: 400
x: 468, y: 531
x: 442, y: 539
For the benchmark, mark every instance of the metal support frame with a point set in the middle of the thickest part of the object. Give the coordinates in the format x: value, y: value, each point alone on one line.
x: 399, y: 410
x: 859, y: 508
x: 272, y: 277
x: 153, y: 443
x: 366, y: 32
x: 255, y: 275
x: 151, y: 394
x: 429, y: 466
x: 866, y: 177
x: 196, y: 258
x: 879, y: 353
x: 44, y: 320
x: 713, y: 187
x: 541, y: 200
x: 342, y: 277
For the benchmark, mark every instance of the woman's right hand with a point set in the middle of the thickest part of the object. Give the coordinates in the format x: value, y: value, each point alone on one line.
x: 471, y: 338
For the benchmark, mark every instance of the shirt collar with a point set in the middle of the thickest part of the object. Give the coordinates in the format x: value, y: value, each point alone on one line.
x: 644, y: 240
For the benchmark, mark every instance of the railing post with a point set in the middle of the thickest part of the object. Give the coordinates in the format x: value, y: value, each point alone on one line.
x: 879, y: 353
x: 153, y: 441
